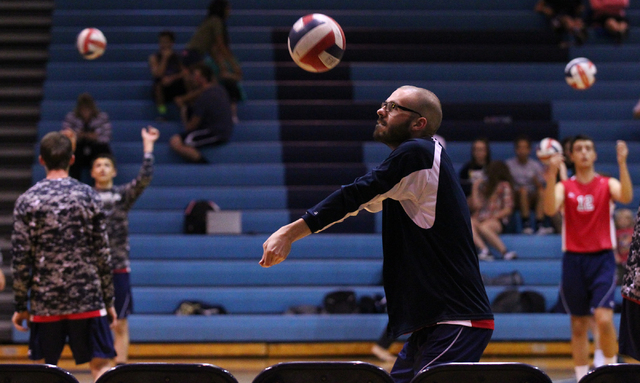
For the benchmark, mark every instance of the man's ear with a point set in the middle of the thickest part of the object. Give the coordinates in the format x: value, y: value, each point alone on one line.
x: 41, y: 161
x: 72, y: 160
x: 419, y: 126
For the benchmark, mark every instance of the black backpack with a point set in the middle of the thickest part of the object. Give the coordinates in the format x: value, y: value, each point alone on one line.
x: 195, y: 216
x: 514, y: 301
x: 341, y: 302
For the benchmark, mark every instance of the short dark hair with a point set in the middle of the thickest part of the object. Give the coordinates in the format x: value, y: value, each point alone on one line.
x: 581, y: 137
x: 168, y: 34
x: 205, y: 70
x: 56, y: 151
x: 108, y: 156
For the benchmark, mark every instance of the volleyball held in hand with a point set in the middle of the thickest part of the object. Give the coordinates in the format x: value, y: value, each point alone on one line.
x: 580, y: 73
x: 91, y: 43
x: 316, y: 43
x: 547, y: 148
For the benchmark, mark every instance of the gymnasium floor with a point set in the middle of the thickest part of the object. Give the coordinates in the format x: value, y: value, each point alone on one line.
x: 559, y: 369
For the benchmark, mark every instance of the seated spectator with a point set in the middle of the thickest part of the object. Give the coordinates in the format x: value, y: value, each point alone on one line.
x: 611, y: 16
x: 492, y: 205
x: 90, y: 131
x: 565, y: 17
x: 528, y: 181
x: 208, y: 121
x: 210, y: 44
x: 624, y: 221
x: 167, y: 71
x: 474, y: 169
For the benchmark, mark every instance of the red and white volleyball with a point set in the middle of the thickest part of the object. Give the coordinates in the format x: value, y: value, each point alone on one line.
x: 91, y: 43
x: 316, y: 43
x: 548, y: 147
x: 580, y: 73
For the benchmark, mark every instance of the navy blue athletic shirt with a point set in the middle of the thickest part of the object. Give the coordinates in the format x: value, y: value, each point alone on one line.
x: 431, y: 271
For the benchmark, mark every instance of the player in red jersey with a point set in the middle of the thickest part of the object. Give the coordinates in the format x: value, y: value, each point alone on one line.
x: 588, y: 237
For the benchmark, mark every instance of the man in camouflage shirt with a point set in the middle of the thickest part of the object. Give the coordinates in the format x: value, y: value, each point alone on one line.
x: 117, y: 201
x: 629, y: 338
x: 62, y: 265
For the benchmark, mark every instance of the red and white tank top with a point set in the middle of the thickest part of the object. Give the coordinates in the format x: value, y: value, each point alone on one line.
x: 588, y: 216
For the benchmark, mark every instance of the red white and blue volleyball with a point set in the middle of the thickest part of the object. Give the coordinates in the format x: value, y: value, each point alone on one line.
x: 91, y: 43
x: 548, y: 147
x: 316, y: 42
x: 580, y: 73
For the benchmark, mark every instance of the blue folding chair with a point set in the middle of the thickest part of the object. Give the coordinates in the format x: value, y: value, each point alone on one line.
x: 34, y: 373
x: 481, y: 372
x: 325, y: 372
x: 167, y: 373
x: 614, y: 373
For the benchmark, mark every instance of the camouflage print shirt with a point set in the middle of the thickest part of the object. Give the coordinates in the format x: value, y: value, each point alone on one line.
x: 117, y: 202
x: 631, y: 281
x: 61, y: 259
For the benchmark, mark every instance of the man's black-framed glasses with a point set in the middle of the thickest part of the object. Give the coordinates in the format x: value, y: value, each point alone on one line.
x: 391, y: 106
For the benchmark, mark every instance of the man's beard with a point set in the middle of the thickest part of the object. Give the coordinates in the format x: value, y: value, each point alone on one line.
x: 394, y: 135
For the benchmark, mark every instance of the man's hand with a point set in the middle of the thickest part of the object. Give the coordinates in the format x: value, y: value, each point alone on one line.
x: 552, y: 170
x: 275, y: 249
x: 149, y: 136
x: 19, y: 317
x: 622, y: 151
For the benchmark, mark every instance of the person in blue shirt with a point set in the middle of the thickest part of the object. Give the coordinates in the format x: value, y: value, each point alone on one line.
x: 431, y: 273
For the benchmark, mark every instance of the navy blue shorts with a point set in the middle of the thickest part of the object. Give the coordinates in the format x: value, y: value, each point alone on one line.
x: 629, y: 342
x: 124, y: 299
x: 439, y: 344
x: 588, y: 282
x: 88, y: 339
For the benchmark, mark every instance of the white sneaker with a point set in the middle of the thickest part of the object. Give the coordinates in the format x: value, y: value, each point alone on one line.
x: 485, y: 255
x: 509, y: 255
x: 527, y: 230
x: 382, y: 354
x: 544, y: 230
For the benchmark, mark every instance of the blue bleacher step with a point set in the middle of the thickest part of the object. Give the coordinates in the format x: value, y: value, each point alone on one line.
x: 447, y: 91
x: 248, y: 247
x: 172, y: 221
x: 146, y: 110
x: 603, y: 53
x: 284, y: 18
x: 129, y: 130
x: 249, y: 273
x: 530, y: 72
x: 265, y: 221
x: 149, y: 34
x: 317, y: 328
x: 276, y: 300
x: 134, y: 70
x: 241, y: 300
x: 141, y: 52
x: 306, y: 272
x: 533, y: 271
x: 145, y: 245
x: 299, y: 5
